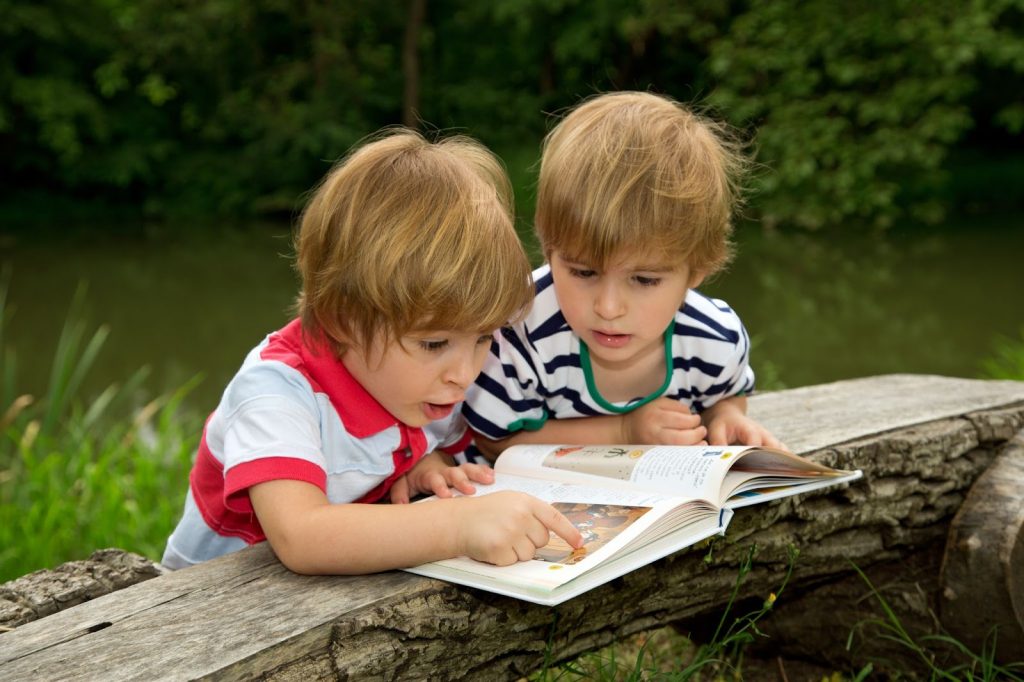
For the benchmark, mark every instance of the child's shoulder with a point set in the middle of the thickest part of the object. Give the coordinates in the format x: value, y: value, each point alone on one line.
x: 274, y: 367
x: 544, y: 319
x: 711, y: 317
x: 543, y: 281
x: 708, y: 304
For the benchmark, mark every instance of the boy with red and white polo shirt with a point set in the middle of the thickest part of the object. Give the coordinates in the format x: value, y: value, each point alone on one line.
x: 409, y: 263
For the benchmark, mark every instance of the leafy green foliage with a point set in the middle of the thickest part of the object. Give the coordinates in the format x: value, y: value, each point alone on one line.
x: 854, y: 102
x: 239, y: 107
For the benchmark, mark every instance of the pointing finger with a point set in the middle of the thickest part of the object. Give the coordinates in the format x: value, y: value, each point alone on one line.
x: 557, y: 523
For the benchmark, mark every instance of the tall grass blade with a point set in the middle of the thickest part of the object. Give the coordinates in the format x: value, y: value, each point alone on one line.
x: 81, y: 366
x: 68, y: 344
x: 8, y: 358
x: 71, y: 362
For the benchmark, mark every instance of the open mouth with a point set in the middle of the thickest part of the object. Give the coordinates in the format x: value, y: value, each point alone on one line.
x: 435, y: 411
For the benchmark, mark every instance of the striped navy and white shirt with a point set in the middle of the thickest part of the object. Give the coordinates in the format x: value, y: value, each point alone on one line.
x: 538, y: 369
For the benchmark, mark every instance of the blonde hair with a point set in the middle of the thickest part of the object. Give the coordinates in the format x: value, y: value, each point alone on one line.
x: 404, y: 235
x: 634, y: 172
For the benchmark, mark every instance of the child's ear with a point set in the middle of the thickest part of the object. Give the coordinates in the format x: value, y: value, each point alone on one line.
x: 696, y: 278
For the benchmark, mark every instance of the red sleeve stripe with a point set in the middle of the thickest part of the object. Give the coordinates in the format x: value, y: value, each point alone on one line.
x: 228, y: 510
x: 244, y: 476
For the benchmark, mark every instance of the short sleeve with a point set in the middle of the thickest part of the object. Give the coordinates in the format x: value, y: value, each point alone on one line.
x: 267, y: 427
x: 508, y: 395
x: 736, y: 376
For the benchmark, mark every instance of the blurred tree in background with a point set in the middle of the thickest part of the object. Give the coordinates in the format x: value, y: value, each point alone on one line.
x: 232, y: 107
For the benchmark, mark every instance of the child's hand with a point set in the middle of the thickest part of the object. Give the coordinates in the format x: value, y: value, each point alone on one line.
x: 728, y: 424
x: 739, y: 429
x: 437, y: 474
x: 505, y: 527
x: 663, y: 422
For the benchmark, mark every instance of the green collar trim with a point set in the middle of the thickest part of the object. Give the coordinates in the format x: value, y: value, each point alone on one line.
x: 588, y: 373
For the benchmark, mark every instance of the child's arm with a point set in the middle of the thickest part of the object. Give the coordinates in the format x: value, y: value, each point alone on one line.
x: 437, y: 474
x: 728, y: 424
x: 312, y: 536
x: 660, y: 422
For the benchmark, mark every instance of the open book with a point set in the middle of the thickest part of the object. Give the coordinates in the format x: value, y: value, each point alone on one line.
x: 634, y: 504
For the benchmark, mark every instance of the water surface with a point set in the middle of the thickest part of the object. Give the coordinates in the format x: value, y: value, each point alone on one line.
x: 820, y: 307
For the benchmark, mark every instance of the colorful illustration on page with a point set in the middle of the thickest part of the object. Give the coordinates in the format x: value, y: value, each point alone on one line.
x: 598, y: 523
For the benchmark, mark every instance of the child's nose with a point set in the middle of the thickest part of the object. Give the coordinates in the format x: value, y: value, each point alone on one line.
x: 609, y: 303
x: 462, y: 371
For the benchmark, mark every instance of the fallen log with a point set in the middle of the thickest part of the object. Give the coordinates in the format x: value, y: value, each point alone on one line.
x: 922, y: 442
x: 982, y: 579
x: 963, y: 585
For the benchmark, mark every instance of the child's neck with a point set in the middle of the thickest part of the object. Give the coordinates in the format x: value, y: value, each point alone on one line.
x: 638, y: 378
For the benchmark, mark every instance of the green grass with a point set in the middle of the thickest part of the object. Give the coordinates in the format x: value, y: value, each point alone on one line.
x: 958, y: 662
x: 1007, y: 359
x: 78, y: 475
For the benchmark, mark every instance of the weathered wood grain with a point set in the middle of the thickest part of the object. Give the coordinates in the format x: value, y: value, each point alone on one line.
x: 46, y: 592
x: 982, y: 581
x: 921, y: 441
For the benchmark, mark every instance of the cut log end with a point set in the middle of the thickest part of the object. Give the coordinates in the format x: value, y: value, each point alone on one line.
x: 982, y: 579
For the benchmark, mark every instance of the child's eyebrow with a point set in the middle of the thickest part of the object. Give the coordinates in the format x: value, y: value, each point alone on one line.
x: 580, y: 261
x: 574, y: 260
x: 653, y: 268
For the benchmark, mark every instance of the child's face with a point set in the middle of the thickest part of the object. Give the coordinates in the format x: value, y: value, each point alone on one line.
x: 422, y: 376
x: 620, y: 312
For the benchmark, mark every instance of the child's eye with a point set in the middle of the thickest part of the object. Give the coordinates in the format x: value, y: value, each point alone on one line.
x: 582, y: 273
x: 484, y: 339
x: 647, y: 281
x: 433, y: 345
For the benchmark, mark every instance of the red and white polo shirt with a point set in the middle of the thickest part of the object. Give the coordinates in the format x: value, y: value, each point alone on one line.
x: 293, y: 412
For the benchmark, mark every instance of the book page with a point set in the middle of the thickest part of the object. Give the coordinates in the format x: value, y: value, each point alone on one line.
x: 694, y: 472
x: 566, y: 491
x: 611, y: 521
x: 598, y: 524
x: 550, y: 584
x: 715, y: 473
x: 614, y: 523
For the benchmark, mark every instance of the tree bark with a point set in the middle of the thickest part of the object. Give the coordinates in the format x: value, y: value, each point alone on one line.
x: 411, y: 63
x: 983, y: 567
x: 46, y: 592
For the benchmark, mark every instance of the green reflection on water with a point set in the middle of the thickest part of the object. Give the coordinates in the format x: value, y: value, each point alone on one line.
x: 823, y: 307
x: 819, y: 307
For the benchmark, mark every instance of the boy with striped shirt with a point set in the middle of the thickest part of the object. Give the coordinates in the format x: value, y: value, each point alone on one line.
x: 634, y: 210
